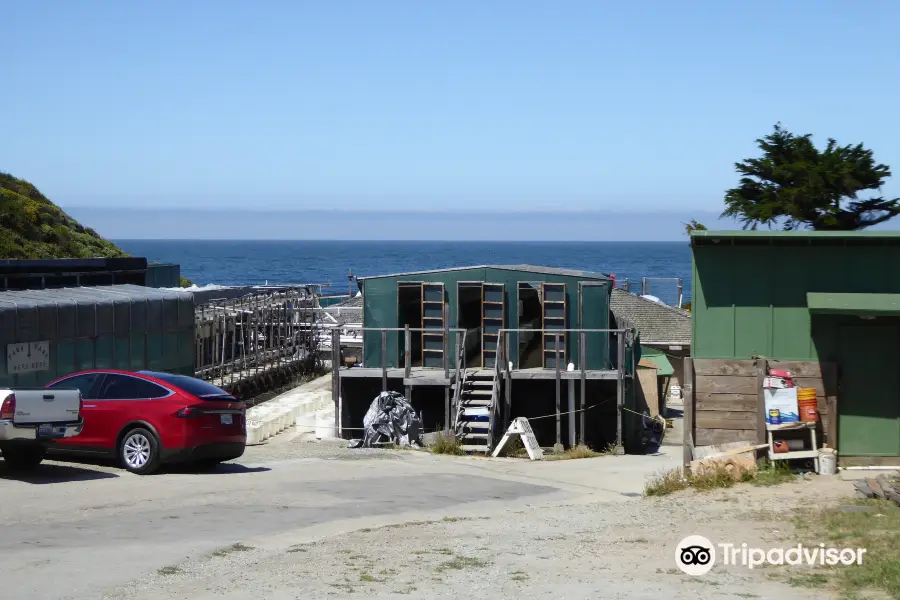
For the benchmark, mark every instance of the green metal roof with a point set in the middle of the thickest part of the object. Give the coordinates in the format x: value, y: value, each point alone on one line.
x: 523, y: 268
x: 796, y: 236
x: 663, y: 366
x: 856, y: 304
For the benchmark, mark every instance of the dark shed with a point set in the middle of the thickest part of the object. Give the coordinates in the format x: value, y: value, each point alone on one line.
x: 121, y: 326
x: 809, y: 296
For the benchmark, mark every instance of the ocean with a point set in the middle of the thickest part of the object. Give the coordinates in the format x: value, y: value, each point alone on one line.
x: 328, y: 262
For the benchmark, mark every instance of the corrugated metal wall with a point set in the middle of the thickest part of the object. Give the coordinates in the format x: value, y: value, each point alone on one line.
x: 750, y: 298
x: 163, y: 276
x: 127, y: 327
x: 380, y: 309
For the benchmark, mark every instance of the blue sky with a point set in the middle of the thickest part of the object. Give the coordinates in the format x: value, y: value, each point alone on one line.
x: 636, y: 108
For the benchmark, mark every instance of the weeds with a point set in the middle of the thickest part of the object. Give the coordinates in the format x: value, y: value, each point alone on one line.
x: 169, y: 571
x: 774, y: 473
x: 446, y: 443
x: 461, y: 563
x: 579, y: 451
x: 719, y: 478
x: 231, y: 549
x: 877, y: 530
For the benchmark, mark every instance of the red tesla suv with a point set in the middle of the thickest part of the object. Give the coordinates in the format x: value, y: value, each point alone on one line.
x: 144, y: 419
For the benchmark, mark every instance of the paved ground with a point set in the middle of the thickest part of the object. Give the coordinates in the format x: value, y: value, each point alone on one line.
x: 295, y: 519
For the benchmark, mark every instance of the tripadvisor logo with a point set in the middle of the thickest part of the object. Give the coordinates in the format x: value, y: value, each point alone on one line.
x: 696, y: 555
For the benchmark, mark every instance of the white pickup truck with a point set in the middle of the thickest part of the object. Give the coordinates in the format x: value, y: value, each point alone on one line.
x: 31, y: 418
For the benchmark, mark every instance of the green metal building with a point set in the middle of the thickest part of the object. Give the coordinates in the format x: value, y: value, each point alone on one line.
x: 483, y: 300
x: 811, y: 296
x: 53, y: 332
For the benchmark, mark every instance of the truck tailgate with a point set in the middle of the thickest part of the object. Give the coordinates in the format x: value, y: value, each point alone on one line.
x: 35, y: 406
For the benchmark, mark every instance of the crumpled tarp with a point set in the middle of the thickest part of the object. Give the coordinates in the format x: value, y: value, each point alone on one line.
x: 390, y: 418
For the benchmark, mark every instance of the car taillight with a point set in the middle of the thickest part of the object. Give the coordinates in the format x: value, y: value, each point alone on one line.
x: 8, y: 408
x: 187, y: 412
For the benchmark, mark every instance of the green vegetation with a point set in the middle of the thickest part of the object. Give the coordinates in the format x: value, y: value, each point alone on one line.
x: 447, y: 444
x: 579, y: 451
x: 876, y: 528
x: 711, y: 479
x: 31, y: 226
x: 795, y: 185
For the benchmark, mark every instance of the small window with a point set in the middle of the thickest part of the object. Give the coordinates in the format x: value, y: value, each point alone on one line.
x: 122, y: 387
x: 85, y: 383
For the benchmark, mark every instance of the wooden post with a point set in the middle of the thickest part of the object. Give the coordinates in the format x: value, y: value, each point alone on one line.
x: 384, y: 385
x: 830, y: 383
x: 558, y: 392
x: 446, y: 342
x: 761, y: 434
x: 508, y: 382
x: 447, y: 427
x: 620, y: 392
x: 687, y: 393
x: 583, y: 352
x: 336, y: 378
x: 407, y: 363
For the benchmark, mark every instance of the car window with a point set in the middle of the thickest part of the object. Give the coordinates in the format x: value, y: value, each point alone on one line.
x: 191, y: 385
x: 85, y: 383
x: 122, y: 387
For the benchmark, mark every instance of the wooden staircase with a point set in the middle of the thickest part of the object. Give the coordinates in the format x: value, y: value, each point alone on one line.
x: 475, y: 415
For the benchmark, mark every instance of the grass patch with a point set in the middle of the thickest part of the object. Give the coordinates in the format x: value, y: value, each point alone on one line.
x: 365, y: 577
x: 877, y: 530
x: 672, y: 481
x: 169, y: 571
x: 774, y: 473
x: 232, y: 549
x: 519, y: 576
x: 297, y: 549
x: 460, y: 563
x: 579, y: 451
x: 445, y: 443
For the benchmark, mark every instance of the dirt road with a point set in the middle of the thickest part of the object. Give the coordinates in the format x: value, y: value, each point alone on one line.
x: 306, y: 520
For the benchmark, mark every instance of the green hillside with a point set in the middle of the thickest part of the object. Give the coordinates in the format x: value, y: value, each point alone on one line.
x: 31, y: 226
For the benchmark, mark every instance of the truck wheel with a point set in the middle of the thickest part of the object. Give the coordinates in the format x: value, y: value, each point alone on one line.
x: 139, y: 451
x: 23, y: 458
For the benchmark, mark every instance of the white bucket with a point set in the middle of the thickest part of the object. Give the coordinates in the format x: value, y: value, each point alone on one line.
x: 827, y: 461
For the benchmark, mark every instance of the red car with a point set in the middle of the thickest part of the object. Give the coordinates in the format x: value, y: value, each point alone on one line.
x: 144, y: 419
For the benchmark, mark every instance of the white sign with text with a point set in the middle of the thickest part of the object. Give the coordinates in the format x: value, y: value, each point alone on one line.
x: 27, y: 357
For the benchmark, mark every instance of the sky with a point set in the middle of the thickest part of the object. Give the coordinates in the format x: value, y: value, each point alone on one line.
x: 291, y: 110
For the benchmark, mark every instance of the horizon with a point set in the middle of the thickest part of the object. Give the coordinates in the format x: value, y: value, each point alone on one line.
x: 576, y: 109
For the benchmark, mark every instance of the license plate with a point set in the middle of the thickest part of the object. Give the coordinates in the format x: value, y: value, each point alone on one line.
x: 46, y: 430
x: 226, y: 419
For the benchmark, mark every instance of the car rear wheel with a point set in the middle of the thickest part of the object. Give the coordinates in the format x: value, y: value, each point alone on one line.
x: 139, y: 451
x: 23, y: 458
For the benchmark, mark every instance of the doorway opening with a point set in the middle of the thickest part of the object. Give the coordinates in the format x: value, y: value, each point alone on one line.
x: 409, y: 312
x: 469, y: 312
x: 530, y: 317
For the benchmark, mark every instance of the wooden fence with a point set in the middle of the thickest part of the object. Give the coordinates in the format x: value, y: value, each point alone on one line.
x: 724, y: 402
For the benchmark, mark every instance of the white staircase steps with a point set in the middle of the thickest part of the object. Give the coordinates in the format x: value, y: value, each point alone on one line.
x: 476, y: 409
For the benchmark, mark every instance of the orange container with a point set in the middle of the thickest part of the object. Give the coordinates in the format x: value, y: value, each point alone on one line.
x: 807, y: 406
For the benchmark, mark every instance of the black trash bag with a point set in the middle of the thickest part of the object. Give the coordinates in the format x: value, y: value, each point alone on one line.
x: 652, y: 432
x: 390, y: 418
